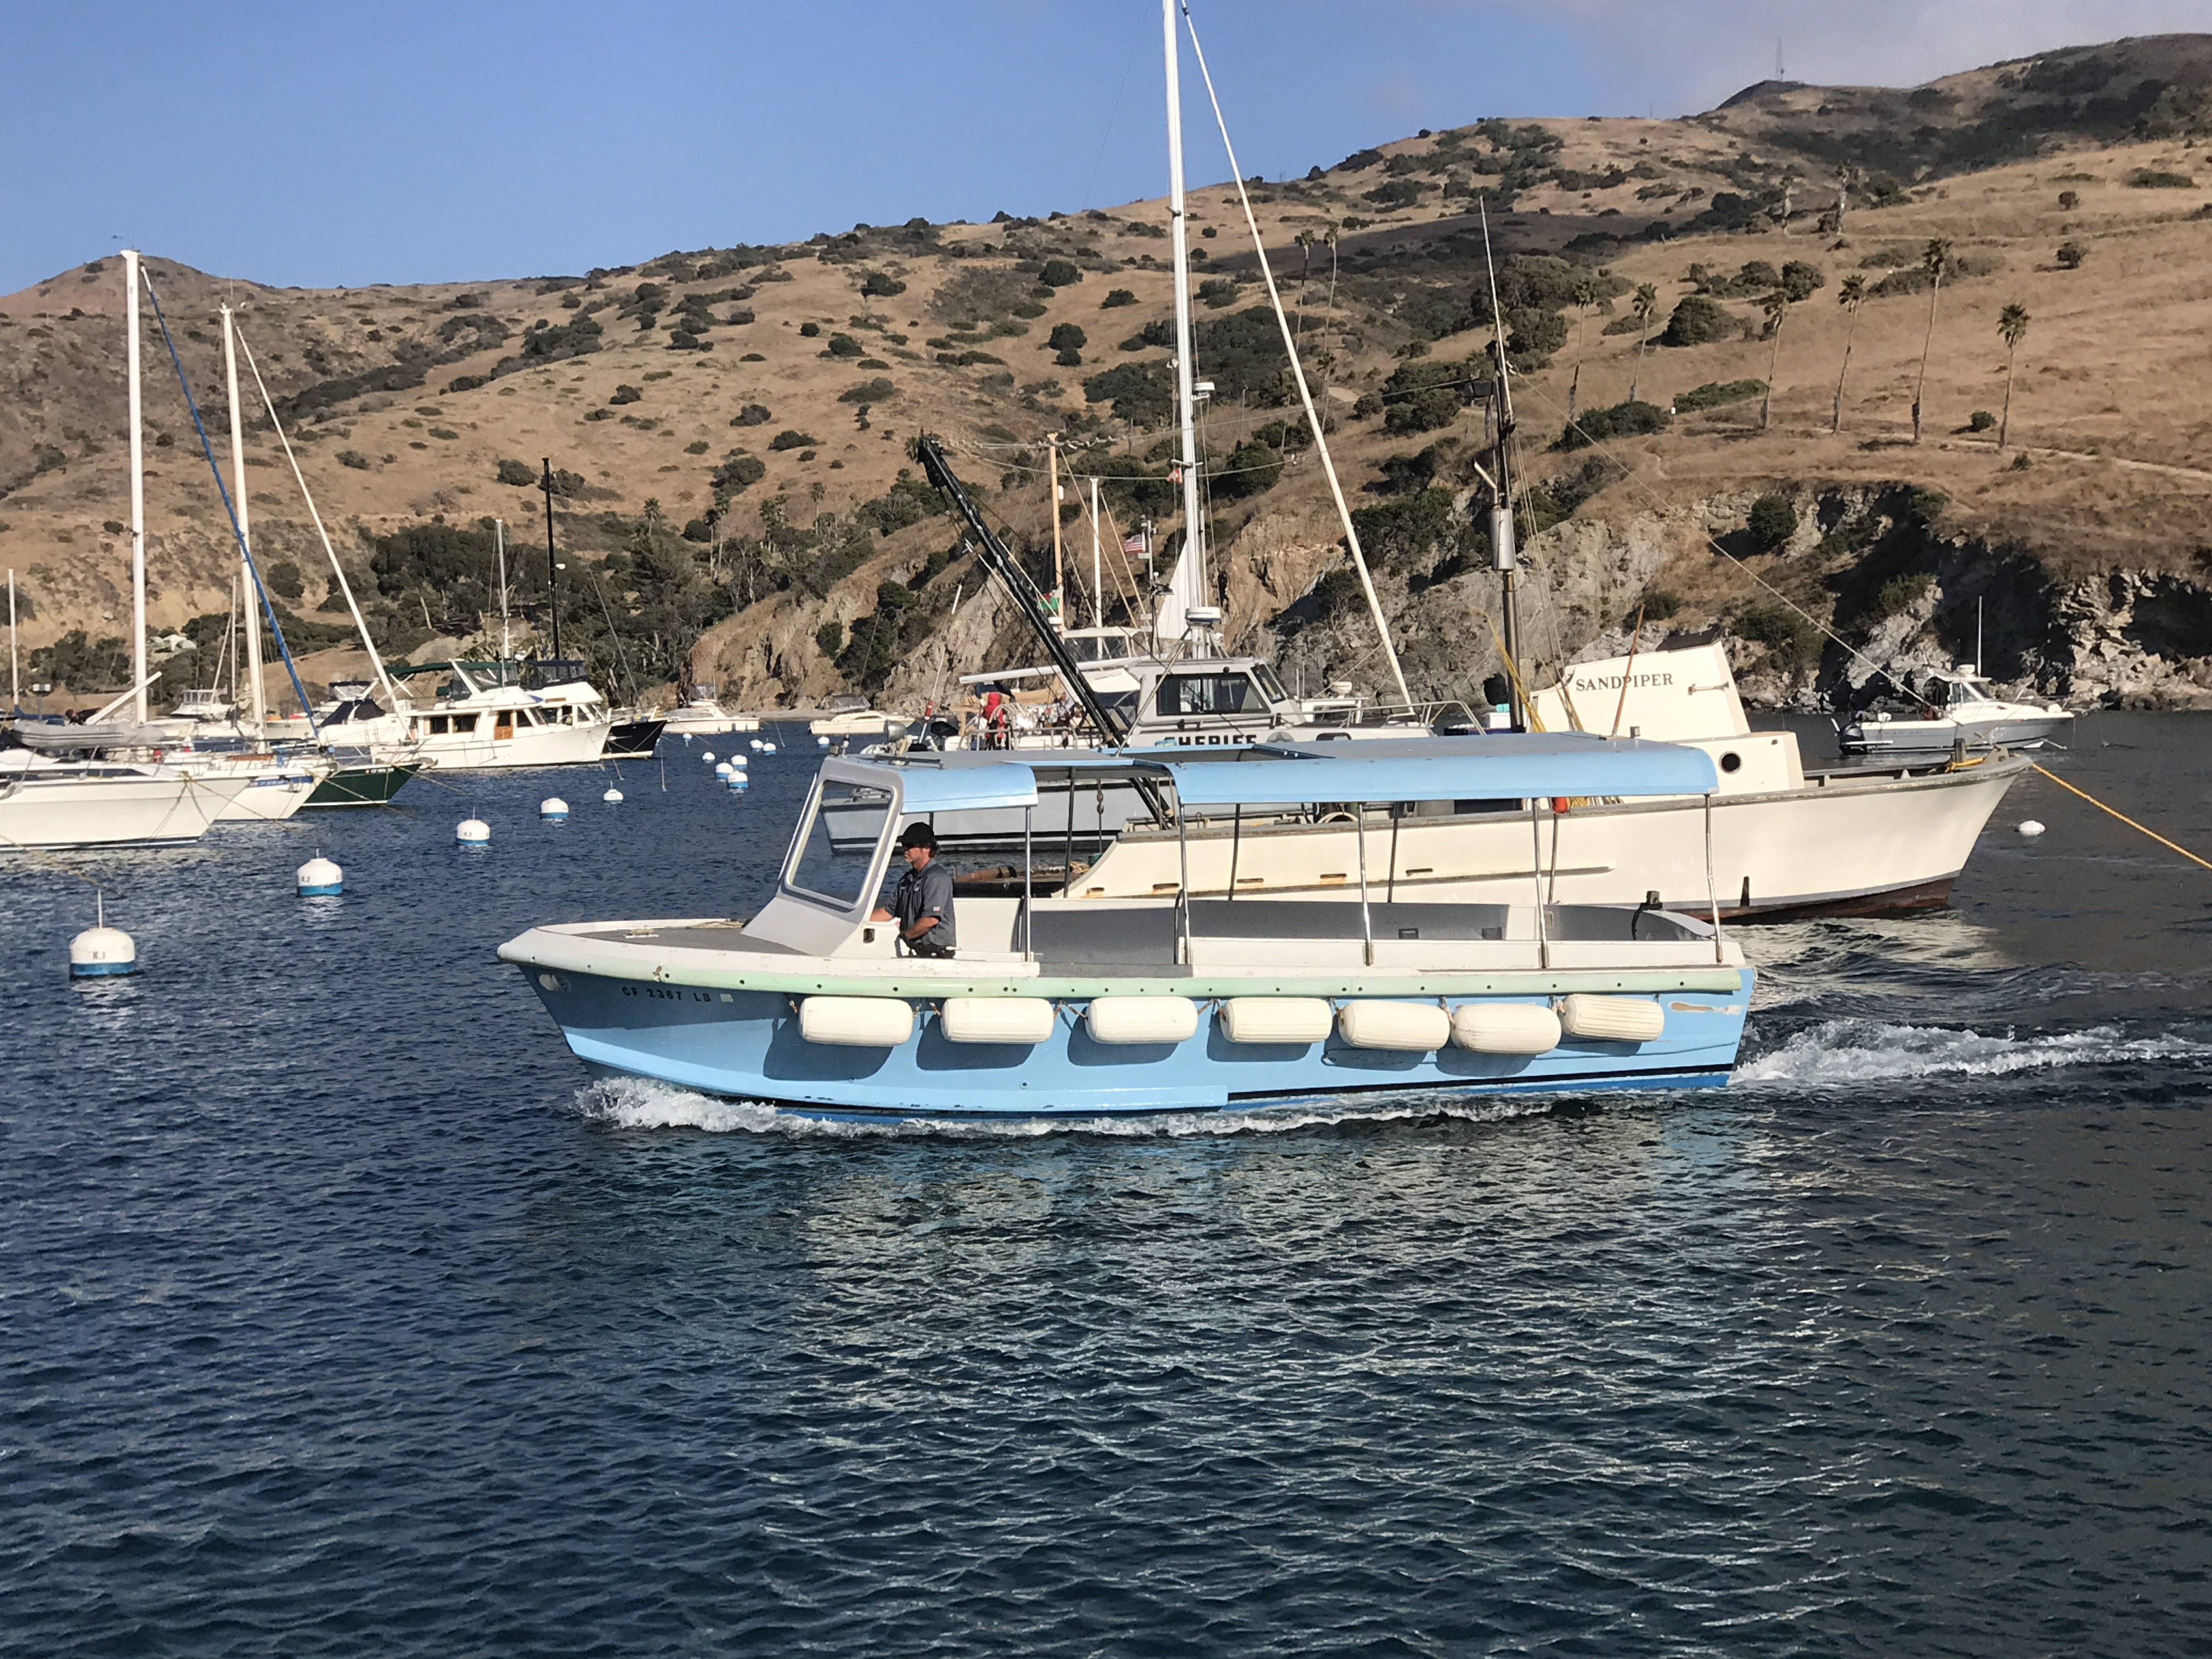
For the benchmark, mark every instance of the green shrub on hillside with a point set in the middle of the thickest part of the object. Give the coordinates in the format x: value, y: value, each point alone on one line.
x: 869, y: 392
x: 1698, y: 321
x: 1059, y: 273
x: 1772, y: 521
x: 2157, y: 178
x: 752, y: 414
x: 1424, y: 394
x: 1142, y: 393
x: 876, y: 283
x: 788, y: 439
x: 519, y: 474
x: 1625, y: 420
x: 1793, y: 644
x: 738, y: 473
x: 1116, y: 298
x: 1900, y: 593
x: 1715, y: 393
x: 1252, y: 469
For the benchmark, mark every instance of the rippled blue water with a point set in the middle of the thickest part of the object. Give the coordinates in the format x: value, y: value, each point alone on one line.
x: 337, y: 1316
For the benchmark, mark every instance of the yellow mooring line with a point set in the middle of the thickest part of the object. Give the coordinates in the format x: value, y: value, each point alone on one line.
x: 2121, y: 816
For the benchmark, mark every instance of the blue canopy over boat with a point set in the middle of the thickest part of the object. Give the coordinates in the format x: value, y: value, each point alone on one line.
x: 1497, y: 766
x: 957, y: 789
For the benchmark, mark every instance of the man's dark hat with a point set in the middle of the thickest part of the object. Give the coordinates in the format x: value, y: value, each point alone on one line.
x: 918, y: 834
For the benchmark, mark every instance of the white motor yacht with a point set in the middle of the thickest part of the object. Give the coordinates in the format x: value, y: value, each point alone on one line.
x: 1783, y: 840
x: 851, y: 717
x: 701, y: 715
x: 1954, y: 708
x: 498, y: 715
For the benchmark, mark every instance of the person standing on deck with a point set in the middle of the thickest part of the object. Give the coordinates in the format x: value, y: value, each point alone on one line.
x: 921, y: 903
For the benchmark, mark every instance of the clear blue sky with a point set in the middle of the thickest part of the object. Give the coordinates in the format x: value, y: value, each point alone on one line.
x: 399, y: 140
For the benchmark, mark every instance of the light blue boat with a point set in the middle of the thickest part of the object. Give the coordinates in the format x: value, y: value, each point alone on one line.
x: 1067, y: 1007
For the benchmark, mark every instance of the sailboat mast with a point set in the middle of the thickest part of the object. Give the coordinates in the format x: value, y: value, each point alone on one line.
x: 15, y: 686
x: 1097, y: 566
x: 1194, y: 517
x: 1059, y: 573
x: 137, y: 487
x: 552, y: 565
x: 1504, y: 555
x: 257, y: 708
x: 499, y: 536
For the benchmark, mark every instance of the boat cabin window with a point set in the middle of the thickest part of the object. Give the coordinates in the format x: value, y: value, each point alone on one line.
x: 1209, y: 694
x: 1964, y: 692
x: 464, y: 722
x: 439, y: 723
x: 852, y: 816
x: 1269, y: 684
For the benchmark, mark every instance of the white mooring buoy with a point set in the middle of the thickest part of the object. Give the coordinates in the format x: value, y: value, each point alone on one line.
x: 723, y: 768
x: 2031, y: 829
x: 472, y: 832
x: 756, y: 743
x: 768, y: 748
x: 708, y: 758
x: 320, y: 878
x: 612, y: 795
x: 552, y: 807
x: 821, y: 743
x: 101, y: 952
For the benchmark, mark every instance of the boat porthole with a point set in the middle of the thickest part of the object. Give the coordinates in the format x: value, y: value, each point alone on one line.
x: 552, y: 981
x: 1731, y: 761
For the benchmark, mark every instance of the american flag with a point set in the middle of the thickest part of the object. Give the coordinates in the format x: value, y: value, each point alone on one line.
x: 1133, y: 544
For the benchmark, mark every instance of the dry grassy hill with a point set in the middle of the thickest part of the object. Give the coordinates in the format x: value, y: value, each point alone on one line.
x: 784, y: 383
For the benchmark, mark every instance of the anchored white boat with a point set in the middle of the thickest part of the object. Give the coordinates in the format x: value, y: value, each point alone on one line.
x: 497, y: 715
x: 272, y: 786
x: 47, y: 804
x: 1954, y: 708
x: 1842, y: 840
x: 701, y: 715
x: 851, y: 717
x: 1071, y: 1008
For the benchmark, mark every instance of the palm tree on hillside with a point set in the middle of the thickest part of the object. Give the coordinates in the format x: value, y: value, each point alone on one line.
x: 1645, y: 303
x: 1585, y: 297
x: 1777, y: 306
x: 1851, y: 296
x: 2012, y: 329
x: 1934, y: 259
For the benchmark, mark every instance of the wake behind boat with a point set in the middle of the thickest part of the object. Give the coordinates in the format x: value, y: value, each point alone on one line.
x: 1070, y: 1007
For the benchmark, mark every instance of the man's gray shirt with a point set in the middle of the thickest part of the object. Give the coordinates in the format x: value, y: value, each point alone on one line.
x: 926, y: 892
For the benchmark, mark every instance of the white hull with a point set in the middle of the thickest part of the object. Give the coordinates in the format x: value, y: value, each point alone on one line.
x: 1843, y: 843
x: 271, y: 790
x: 694, y: 721
x: 489, y: 748
x: 2023, y: 730
x: 109, y: 807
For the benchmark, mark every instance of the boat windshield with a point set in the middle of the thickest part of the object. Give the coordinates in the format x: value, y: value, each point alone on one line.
x: 1964, y: 692
x: 852, y: 816
x: 1269, y: 684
